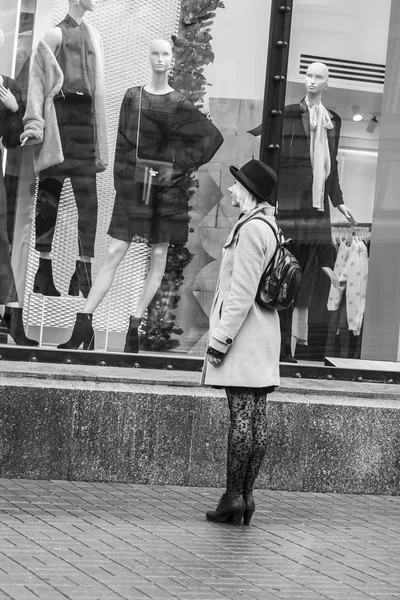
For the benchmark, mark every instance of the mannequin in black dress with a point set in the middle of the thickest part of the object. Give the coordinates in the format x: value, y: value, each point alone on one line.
x: 173, y: 130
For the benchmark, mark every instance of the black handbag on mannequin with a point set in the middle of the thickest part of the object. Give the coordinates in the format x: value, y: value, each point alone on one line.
x: 152, y: 173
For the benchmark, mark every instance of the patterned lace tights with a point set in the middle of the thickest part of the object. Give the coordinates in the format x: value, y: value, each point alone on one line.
x: 247, y: 437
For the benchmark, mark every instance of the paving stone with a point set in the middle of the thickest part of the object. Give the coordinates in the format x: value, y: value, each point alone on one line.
x: 100, y: 541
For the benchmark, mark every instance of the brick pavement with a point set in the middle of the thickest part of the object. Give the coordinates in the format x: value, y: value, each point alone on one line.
x: 96, y: 541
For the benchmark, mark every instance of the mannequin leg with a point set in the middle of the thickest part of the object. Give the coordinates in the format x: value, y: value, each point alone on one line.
x: 83, y: 332
x: 105, y: 277
x: 84, y: 186
x: 47, y: 204
x: 12, y: 324
x: 158, y: 261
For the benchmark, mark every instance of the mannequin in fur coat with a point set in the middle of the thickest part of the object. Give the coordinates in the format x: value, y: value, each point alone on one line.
x: 11, y: 112
x: 65, y: 120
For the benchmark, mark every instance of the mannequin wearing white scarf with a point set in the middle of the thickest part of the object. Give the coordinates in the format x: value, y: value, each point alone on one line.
x: 320, y: 121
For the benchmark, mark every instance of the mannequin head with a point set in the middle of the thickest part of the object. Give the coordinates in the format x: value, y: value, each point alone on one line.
x: 316, y: 79
x: 160, y: 56
x: 83, y: 5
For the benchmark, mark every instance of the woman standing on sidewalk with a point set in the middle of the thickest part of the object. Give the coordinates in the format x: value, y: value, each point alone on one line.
x: 243, y: 351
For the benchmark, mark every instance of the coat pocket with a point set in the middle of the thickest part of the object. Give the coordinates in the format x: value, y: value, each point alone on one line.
x: 220, y: 309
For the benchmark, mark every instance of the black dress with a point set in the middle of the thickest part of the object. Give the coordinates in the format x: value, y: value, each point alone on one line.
x: 172, y: 129
x: 11, y: 128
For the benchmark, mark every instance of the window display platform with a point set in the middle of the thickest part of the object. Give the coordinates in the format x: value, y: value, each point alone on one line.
x: 363, y: 365
x: 333, y: 369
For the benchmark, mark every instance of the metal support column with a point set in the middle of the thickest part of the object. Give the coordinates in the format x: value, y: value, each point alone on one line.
x: 275, y: 82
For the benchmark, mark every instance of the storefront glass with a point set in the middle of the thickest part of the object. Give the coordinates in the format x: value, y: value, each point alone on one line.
x: 85, y: 217
x: 117, y: 203
x: 328, y: 170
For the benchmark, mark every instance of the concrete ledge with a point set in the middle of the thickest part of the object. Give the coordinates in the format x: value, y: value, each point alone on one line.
x: 94, y: 424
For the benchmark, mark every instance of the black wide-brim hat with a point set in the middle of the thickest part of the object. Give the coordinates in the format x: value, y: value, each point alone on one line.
x: 257, y: 177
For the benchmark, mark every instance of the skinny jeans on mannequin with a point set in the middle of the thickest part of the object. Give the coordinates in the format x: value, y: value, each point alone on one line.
x: 247, y: 437
x: 75, y: 119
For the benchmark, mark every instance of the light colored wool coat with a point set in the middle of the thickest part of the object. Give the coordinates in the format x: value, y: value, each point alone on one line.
x: 45, y: 82
x: 248, y: 334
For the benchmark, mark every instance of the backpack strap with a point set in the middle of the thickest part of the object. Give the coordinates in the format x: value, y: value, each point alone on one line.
x: 278, y: 235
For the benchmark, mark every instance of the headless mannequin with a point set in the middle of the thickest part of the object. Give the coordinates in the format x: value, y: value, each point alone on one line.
x: 11, y: 323
x: 160, y: 62
x: 53, y: 38
x: 8, y: 99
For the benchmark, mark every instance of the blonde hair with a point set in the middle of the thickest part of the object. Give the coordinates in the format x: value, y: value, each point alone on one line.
x: 245, y: 198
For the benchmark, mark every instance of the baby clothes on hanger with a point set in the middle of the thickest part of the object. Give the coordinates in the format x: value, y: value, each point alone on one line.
x: 351, y: 267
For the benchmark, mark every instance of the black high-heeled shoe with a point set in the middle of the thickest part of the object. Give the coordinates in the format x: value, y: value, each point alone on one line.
x: 250, y: 506
x: 81, y: 280
x: 230, y: 509
x: 132, y: 336
x: 82, y: 333
x: 44, y: 283
x: 12, y: 324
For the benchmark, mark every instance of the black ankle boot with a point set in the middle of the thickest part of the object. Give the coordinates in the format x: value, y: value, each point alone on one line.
x: 81, y: 280
x: 250, y: 506
x: 44, y: 283
x: 82, y: 334
x: 132, y: 337
x: 230, y: 509
x: 286, y: 354
x: 12, y: 324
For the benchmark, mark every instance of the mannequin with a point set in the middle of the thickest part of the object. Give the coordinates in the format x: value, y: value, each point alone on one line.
x: 306, y: 184
x: 308, y: 176
x: 171, y: 129
x: 11, y: 112
x: 68, y: 72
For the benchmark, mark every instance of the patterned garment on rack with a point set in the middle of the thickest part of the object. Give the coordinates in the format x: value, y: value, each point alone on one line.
x: 351, y: 267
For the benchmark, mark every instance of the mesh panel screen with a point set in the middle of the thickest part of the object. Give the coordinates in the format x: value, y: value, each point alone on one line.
x: 127, y: 27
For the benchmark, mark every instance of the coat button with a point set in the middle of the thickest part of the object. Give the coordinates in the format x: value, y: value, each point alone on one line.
x: 229, y: 340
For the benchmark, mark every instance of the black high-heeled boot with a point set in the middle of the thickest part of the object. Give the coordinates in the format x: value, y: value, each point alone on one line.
x: 230, y: 509
x: 44, y: 283
x: 12, y: 324
x: 82, y: 333
x: 286, y: 354
x: 250, y: 506
x: 81, y: 280
x: 132, y: 336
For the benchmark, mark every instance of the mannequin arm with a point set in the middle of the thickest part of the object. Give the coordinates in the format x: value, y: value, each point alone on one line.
x: 124, y: 149
x: 13, y: 123
x: 33, y: 119
x: 346, y: 212
x: 53, y: 39
x: 332, y: 276
x: 197, y: 138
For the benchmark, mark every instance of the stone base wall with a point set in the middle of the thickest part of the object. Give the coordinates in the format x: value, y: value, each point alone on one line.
x: 160, y: 434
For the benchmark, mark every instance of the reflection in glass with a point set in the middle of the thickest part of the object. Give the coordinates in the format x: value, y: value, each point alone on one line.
x: 12, y: 108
